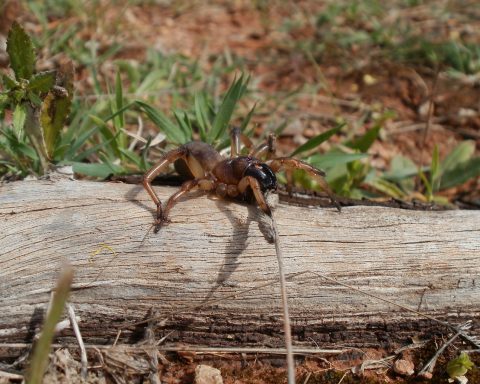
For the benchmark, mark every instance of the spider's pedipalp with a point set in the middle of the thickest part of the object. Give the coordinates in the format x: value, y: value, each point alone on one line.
x: 249, y: 181
x: 290, y: 164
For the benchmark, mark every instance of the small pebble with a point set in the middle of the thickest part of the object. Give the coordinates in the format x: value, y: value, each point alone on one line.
x: 204, y: 374
x: 403, y: 367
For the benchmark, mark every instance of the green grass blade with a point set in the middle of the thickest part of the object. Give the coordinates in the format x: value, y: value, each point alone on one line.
x: 426, y: 183
x: 317, y: 140
x: 435, y: 173
x: 201, y: 114
x: 133, y: 157
x: 108, y: 135
x: 119, y: 100
x: 247, y: 118
x: 224, y: 114
x: 364, y: 142
x: 42, y: 347
x: 184, y: 123
x: 331, y: 159
x: 173, y: 132
x: 79, y: 142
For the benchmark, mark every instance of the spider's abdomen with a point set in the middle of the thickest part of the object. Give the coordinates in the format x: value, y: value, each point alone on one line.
x: 204, y: 154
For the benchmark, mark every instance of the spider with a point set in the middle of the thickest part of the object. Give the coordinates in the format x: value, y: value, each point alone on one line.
x: 240, y: 177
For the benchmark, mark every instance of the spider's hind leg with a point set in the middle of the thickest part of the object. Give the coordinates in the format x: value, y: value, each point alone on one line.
x: 193, y: 165
x: 267, y: 149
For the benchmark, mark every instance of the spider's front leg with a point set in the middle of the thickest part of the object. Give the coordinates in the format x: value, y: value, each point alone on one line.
x: 203, y: 184
x: 289, y: 165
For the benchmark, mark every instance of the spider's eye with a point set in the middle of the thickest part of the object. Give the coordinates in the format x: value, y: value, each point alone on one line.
x: 264, y: 175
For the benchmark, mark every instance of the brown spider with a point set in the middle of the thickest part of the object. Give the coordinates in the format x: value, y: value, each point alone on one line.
x: 240, y: 177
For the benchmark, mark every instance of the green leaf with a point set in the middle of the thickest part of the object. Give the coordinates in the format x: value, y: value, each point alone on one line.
x: 461, y: 174
x: 100, y: 170
x: 34, y: 99
x: 9, y: 82
x: 365, y: 142
x: 20, y: 51
x: 385, y: 187
x: 42, y: 82
x: 459, y: 366
x: 459, y: 155
x: 401, y: 167
x: 224, y: 114
x: 332, y: 159
x: 56, y: 107
x: 19, y: 116
x: 317, y: 140
x: 173, y: 132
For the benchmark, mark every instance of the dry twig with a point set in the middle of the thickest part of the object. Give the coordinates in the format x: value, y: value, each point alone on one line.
x: 78, y: 335
x: 286, y: 315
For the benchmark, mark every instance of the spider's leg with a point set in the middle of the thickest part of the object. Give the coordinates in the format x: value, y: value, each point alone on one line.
x: 237, y: 138
x: 180, y: 153
x: 289, y: 164
x: 203, y: 184
x: 249, y: 181
x: 267, y: 149
x: 153, y: 172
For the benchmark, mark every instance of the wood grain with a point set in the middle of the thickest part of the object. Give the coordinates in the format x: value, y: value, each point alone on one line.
x: 211, y: 275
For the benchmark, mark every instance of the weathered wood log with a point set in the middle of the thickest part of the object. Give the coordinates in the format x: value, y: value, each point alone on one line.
x: 213, y: 278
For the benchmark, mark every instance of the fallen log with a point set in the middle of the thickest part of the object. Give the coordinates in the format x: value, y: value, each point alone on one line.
x: 355, y: 278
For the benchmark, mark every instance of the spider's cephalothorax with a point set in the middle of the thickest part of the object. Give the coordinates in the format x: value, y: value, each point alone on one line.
x: 240, y: 177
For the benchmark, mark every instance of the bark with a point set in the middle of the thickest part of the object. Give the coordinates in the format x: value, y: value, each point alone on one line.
x: 212, y: 276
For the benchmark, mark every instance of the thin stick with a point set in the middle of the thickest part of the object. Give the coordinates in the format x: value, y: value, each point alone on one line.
x: 78, y: 335
x: 152, y: 353
x: 10, y: 376
x: 429, y: 117
x: 428, y: 368
x: 286, y: 315
x: 193, y: 348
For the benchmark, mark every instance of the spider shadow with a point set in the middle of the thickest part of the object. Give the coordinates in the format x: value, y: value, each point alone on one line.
x: 131, y: 197
x: 237, y: 244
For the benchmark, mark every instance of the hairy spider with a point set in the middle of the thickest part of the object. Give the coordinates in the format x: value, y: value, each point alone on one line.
x: 244, y: 178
